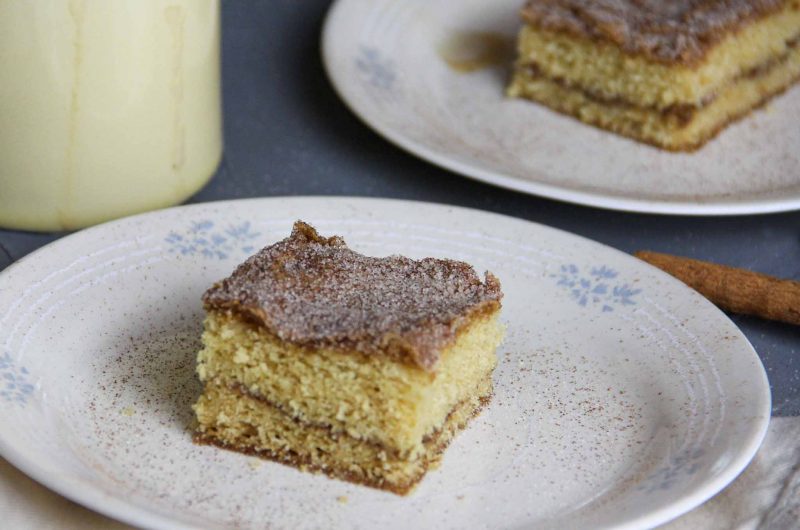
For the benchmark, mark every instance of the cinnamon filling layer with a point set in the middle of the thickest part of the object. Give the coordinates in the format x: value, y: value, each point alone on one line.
x: 346, y: 458
x: 428, y: 439
x: 683, y: 113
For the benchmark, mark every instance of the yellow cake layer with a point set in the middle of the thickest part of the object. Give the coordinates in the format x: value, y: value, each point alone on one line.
x: 370, y: 398
x: 238, y: 421
x: 604, y: 69
x: 670, y: 131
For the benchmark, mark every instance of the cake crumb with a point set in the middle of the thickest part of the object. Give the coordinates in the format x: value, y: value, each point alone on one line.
x: 254, y: 463
x: 128, y: 411
x: 342, y: 499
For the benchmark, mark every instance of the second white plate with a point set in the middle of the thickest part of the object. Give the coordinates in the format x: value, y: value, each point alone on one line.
x: 385, y: 58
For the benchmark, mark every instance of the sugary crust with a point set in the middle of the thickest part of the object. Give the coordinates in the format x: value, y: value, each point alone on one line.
x: 315, y: 292
x: 674, y: 31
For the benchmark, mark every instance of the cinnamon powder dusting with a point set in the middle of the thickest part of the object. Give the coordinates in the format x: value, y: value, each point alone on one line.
x: 315, y: 292
x: 671, y: 31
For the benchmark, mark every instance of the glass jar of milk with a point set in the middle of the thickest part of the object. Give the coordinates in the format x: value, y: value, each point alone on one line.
x: 107, y: 108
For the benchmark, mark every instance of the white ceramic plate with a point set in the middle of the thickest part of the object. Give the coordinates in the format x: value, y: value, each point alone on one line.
x: 623, y: 398
x: 385, y: 60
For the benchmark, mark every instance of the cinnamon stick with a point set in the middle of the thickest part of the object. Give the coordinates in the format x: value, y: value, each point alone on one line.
x: 735, y: 290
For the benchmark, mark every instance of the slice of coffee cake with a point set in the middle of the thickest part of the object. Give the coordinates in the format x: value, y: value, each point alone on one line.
x: 359, y: 367
x: 672, y: 74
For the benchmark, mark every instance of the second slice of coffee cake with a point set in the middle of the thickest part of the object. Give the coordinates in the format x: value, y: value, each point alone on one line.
x: 670, y: 73
x: 362, y: 368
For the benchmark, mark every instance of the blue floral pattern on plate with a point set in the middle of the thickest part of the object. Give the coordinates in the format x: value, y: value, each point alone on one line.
x: 597, y: 287
x: 14, y: 384
x: 378, y: 71
x: 202, y: 239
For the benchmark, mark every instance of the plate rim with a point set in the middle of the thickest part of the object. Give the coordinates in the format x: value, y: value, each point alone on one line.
x: 603, y: 201
x: 116, y: 507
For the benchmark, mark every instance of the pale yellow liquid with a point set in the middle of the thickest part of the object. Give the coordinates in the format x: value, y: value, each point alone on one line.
x: 107, y: 108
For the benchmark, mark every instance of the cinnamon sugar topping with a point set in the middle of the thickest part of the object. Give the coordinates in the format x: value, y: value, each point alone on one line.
x: 661, y: 30
x: 315, y: 292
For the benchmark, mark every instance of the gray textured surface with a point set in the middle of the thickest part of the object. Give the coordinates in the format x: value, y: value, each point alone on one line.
x: 287, y: 133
